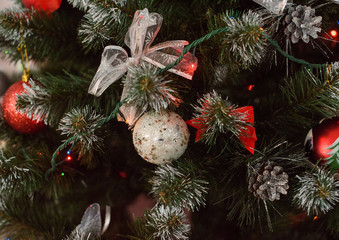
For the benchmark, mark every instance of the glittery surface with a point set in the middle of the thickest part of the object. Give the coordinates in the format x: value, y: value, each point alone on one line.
x: 160, y: 138
x: 14, y: 118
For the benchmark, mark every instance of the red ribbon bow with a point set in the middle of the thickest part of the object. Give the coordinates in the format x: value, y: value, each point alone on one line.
x: 247, y: 134
x: 43, y: 5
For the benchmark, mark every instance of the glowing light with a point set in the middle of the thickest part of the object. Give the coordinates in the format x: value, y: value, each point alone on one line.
x: 334, y: 33
x: 6, y: 52
x: 68, y: 152
x: 62, y: 174
x: 315, y: 218
x: 250, y: 87
x: 123, y: 174
x: 193, y: 66
x: 69, y: 158
x: 231, y: 17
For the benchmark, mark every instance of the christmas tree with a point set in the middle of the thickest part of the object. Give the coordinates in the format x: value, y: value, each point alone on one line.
x: 198, y: 108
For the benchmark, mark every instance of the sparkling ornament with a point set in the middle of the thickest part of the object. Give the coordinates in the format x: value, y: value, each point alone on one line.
x: 47, y: 6
x: 13, y: 117
x: 268, y: 181
x: 322, y: 140
x: 160, y: 138
x: 275, y: 6
x: 302, y: 23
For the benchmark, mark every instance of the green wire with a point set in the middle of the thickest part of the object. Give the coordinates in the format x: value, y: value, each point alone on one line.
x: 185, y: 50
x: 221, y: 30
x: 74, y: 139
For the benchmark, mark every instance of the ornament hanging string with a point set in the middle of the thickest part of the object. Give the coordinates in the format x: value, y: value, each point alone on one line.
x: 221, y: 30
x: 74, y: 139
x: 24, y: 55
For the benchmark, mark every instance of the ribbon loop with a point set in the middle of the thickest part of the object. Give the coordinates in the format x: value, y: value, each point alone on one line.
x: 139, y: 38
x: 142, y: 32
x: 90, y: 225
x: 113, y: 65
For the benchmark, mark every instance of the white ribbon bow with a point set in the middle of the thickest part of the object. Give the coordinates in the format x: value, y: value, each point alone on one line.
x: 141, y: 34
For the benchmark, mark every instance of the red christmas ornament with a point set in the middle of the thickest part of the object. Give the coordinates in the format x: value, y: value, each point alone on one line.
x: 43, y: 5
x: 13, y: 117
x: 321, y: 140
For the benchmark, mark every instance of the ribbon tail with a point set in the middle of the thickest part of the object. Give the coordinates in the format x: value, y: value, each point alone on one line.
x: 248, y: 137
x: 130, y: 113
x: 198, y: 124
x: 166, y: 53
x: 91, y: 222
x: 112, y: 66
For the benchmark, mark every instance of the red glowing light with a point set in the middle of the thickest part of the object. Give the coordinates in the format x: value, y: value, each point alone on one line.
x: 250, y: 87
x: 334, y: 33
x: 315, y: 218
x: 193, y: 66
x: 123, y: 174
x: 69, y: 158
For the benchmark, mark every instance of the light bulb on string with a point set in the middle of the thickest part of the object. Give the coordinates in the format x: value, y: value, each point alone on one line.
x: 333, y: 33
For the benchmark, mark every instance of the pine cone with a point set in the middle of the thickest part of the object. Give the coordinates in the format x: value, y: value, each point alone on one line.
x: 268, y: 181
x: 302, y: 23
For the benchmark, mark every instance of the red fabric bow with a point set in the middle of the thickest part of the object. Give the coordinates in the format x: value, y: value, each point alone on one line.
x: 43, y: 5
x: 247, y: 135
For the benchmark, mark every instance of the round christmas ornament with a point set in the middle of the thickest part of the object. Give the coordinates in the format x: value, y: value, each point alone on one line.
x: 43, y: 5
x: 322, y: 142
x: 13, y: 117
x: 160, y: 138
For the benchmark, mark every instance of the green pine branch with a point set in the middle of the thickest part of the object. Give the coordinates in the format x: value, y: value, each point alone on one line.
x: 104, y: 22
x: 302, y: 101
x: 50, y: 99
x: 18, y: 176
x: 31, y: 217
x: 43, y: 34
x: 333, y: 160
x: 242, y: 45
x: 178, y: 187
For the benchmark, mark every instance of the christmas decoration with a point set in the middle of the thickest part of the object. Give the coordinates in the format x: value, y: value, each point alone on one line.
x: 268, y: 181
x: 317, y: 192
x: 160, y: 138
x: 321, y: 140
x: 302, y: 23
x: 275, y: 6
x: 47, y: 6
x: 217, y: 115
x: 90, y: 226
x: 18, y: 121
x: 140, y: 36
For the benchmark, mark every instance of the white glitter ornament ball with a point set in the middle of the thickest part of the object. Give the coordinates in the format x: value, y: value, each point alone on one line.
x: 160, y: 138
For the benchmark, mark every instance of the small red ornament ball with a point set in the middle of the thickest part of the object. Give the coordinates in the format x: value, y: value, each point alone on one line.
x: 320, y: 138
x: 13, y: 117
x: 43, y: 5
